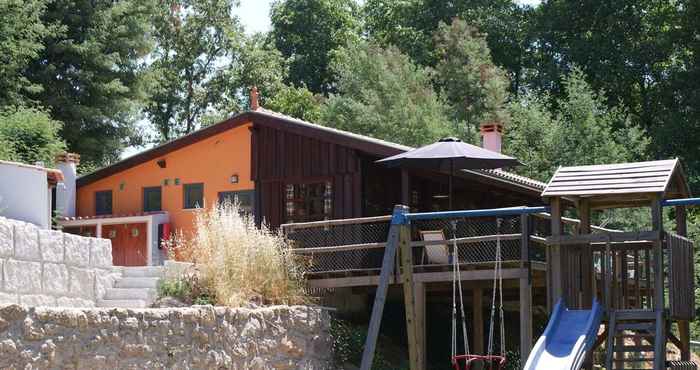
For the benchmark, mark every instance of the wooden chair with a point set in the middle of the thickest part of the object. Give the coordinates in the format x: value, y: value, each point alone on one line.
x: 436, y: 253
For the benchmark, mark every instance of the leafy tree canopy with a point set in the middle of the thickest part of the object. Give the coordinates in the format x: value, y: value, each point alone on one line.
x: 194, y: 39
x: 21, y: 35
x: 475, y: 88
x: 580, y: 130
x: 29, y: 135
x: 382, y: 94
x: 89, y: 72
x: 307, y: 32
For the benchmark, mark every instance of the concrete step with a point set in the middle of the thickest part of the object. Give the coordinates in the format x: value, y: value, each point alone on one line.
x: 143, y: 271
x: 137, y: 282
x: 122, y: 303
x: 146, y: 294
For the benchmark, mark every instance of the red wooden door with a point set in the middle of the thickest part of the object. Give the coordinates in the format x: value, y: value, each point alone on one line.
x: 129, y: 246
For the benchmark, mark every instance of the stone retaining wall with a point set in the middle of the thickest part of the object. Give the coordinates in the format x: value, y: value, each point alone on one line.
x: 199, y: 337
x: 50, y: 268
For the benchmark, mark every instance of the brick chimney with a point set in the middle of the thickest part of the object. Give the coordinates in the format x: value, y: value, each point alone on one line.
x: 254, y: 104
x: 67, y: 163
x: 491, y: 136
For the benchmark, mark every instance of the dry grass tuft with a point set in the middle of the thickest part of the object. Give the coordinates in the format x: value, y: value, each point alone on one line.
x: 241, y: 263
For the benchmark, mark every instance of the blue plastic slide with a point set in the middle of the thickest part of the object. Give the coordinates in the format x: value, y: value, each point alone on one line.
x: 567, y: 338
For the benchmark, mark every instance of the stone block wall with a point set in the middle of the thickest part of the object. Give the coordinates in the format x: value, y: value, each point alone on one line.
x: 199, y: 337
x: 41, y: 267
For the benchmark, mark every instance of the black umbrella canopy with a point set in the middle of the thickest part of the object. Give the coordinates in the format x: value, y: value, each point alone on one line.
x: 450, y: 154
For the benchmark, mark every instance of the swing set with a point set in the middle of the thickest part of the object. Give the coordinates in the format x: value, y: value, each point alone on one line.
x: 465, y: 361
x: 399, y: 242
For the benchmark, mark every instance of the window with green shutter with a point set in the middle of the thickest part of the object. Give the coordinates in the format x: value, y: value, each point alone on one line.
x: 245, y: 199
x: 193, y: 196
x: 103, y: 202
x: 152, y: 199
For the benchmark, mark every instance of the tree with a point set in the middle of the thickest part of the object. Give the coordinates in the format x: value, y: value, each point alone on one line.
x: 194, y: 40
x: 29, y: 135
x: 581, y: 130
x: 307, y: 32
x: 297, y: 102
x: 382, y: 94
x: 89, y: 72
x: 411, y: 24
x: 475, y: 88
x: 21, y: 35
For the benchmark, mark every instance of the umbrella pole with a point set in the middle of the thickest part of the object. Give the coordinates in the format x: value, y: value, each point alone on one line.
x: 452, y: 170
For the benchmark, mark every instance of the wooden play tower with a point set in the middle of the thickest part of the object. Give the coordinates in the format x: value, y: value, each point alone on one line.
x: 644, y: 278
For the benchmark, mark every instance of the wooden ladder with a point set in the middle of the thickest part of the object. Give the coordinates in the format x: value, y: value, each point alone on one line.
x: 625, y: 326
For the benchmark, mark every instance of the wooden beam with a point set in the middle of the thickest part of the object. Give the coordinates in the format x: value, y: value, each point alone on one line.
x: 478, y: 317
x: 525, y: 318
x: 588, y: 284
x: 603, y: 237
x: 683, y: 325
x: 388, y: 264
x: 405, y: 187
x: 406, y: 256
x: 421, y: 323
x: 555, y: 256
x: 660, y: 339
x: 429, y: 277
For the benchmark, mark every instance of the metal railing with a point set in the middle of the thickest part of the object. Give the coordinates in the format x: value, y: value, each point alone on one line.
x: 357, y: 245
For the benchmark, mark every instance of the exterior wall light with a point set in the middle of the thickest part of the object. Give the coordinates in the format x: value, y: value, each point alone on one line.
x: 234, y: 178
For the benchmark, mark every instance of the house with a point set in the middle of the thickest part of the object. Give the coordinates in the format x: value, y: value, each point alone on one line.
x: 26, y: 192
x: 281, y: 169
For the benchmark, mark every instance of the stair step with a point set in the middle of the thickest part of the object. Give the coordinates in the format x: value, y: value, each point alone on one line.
x: 146, y: 294
x: 622, y: 315
x: 137, y: 282
x: 640, y: 348
x: 143, y: 271
x: 648, y: 326
x: 122, y: 303
x: 641, y: 359
x: 644, y: 336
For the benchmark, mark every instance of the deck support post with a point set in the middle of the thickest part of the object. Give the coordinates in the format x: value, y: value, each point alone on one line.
x: 420, y: 295
x: 405, y: 187
x: 478, y: 319
x: 525, y: 319
x: 525, y: 288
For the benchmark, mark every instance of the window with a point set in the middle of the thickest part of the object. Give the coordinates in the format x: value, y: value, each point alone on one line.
x: 245, y: 199
x: 103, y: 202
x: 194, y: 196
x: 152, y: 199
x: 309, y: 201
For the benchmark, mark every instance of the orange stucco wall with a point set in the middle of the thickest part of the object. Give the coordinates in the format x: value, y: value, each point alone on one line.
x: 211, y: 161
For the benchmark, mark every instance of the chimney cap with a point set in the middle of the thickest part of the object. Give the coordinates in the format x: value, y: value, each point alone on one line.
x: 68, y: 158
x: 254, y: 103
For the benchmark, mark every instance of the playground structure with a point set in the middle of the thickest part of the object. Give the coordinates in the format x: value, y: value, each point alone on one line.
x: 642, y: 279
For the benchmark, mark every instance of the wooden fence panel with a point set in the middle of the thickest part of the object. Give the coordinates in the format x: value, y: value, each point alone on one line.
x: 680, y: 276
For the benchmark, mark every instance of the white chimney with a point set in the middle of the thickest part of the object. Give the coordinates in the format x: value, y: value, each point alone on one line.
x: 491, y: 136
x: 67, y: 163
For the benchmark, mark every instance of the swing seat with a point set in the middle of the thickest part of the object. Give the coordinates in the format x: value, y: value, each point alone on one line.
x: 492, y: 362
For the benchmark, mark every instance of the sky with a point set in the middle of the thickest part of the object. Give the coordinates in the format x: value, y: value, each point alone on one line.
x: 255, y: 14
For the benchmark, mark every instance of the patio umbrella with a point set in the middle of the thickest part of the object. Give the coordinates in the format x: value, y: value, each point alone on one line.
x: 449, y: 154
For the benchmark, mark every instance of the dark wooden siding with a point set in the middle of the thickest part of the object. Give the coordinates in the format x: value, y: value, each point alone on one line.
x: 280, y: 157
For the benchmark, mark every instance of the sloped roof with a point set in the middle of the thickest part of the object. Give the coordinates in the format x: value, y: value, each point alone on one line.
x: 620, y: 180
x: 277, y: 120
